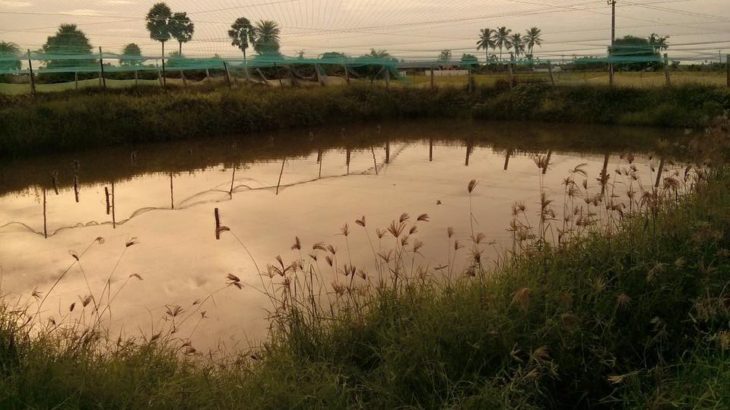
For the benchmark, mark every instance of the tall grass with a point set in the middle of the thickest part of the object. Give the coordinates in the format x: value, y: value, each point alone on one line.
x: 79, y: 120
x: 632, y: 312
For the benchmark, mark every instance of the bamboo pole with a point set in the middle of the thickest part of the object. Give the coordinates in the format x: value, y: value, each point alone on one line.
x: 278, y: 184
x: 45, y: 218
x: 430, y: 149
x: 217, y: 216
x: 666, y: 70
x: 550, y: 70
x: 102, y: 80
x: 228, y: 75
x: 32, y: 80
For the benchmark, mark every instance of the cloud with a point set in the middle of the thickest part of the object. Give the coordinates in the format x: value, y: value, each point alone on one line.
x: 12, y: 4
x: 84, y: 12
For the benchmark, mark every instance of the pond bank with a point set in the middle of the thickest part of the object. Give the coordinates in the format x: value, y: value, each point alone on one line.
x: 82, y: 120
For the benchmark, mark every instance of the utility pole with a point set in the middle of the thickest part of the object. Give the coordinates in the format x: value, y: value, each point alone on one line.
x: 612, y: 3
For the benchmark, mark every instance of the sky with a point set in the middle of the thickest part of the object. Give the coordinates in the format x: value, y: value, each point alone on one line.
x: 699, y: 30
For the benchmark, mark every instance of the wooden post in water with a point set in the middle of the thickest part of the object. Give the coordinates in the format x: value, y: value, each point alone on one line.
x: 102, y: 80
x: 108, y: 203
x: 468, y: 152
x: 172, y: 193
x: 506, y: 159
x: 32, y: 80
x: 76, y: 187
x: 278, y: 184
x: 233, y: 180
x: 45, y: 227
x: 659, y: 173
x: 217, y: 216
x: 320, y: 160
x: 54, y: 181
x: 430, y: 149
x: 666, y: 69
x: 114, y: 208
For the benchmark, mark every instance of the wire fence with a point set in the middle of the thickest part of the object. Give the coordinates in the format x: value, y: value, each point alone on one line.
x: 41, y: 72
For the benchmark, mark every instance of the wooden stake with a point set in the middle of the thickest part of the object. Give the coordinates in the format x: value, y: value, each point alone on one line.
x: 550, y: 70
x: 506, y: 159
x: 348, y: 152
x: 76, y: 188
x: 32, y: 80
x: 375, y: 162
x: 659, y: 173
x: 468, y: 152
x: 387, y: 78
x: 217, y: 216
x: 76, y: 80
x: 233, y: 179
x: 320, y: 159
x: 666, y: 69
x: 280, y: 174
x: 347, y: 74
x: 108, y: 203
x: 185, y: 80
x: 114, y: 208
x: 547, y: 162
x: 45, y: 227
x: 172, y: 193
x: 430, y: 149
x: 387, y: 151
x: 604, y: 174
x: 102, y: 80
x: 228, y: 75
x: 433, y: 83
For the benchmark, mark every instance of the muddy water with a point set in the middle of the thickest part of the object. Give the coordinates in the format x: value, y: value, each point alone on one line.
x: 160, y: 200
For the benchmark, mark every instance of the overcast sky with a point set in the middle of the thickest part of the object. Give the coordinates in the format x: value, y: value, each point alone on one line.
x: 411, y: 29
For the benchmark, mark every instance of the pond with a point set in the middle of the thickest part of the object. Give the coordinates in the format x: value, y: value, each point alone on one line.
x: 155, y: 205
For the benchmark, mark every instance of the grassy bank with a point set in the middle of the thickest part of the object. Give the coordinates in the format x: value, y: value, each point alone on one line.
x: 634, y: 315
x: 81, y: 120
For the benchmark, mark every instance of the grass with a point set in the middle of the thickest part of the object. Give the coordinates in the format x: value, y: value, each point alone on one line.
x: 632, y: 313
x: 95, y: 118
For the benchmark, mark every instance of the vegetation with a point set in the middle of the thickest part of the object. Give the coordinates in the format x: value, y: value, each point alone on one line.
x: 97, y: 118
x: 181, y: 29
x: 242, y: 36
x: 266, y: 37
x: 131, y: 56
x: 9, y: 56
x: 632, y: 313
x: 158, y: 24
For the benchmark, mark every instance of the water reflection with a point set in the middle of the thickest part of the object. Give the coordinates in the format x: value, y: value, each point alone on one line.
x: 204, y: 209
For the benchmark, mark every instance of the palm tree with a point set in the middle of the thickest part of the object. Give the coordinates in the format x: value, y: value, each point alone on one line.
x: 242, y: 35
x: 266, y: 33
x: 181, y: 29
x: 658, y: 42
x: 158, y: 24
x: 518, y: 44
x: 532, y: 38
x: 487, y: 40
x: 502, y: 39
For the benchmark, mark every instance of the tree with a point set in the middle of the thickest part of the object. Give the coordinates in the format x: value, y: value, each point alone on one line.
x: 181, y: 29
x: 242, y: 36
x: 67, y: 48
x: 517, y: 44
x: 9, y: 57
x: 266, y: 35
x: 503, y: 40
x: 469, y: 61
x: 131, y: 55
x: 635, y: 53
x: 658, y: 42
x: 158, y: 24
x: 533, y: 38
x: 487, y: 40
x: 444, y: 57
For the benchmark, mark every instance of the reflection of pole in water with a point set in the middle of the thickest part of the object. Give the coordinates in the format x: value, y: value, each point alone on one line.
x: 280, y: 174
x: 604, y: 173
x: 348, y: 153
x: 108, y: 204
x: 114, y: 208
x: 387, y: 151
x: 172, y: 193
x: 233, y: 178
x: 659, y: 172
x: 547, y: 162
x: 54, y: 181
x: 375, y: 162
x: 320, y: 158
x: 76, y: 188
x: 430, y: 149
x: 506, y: 159
x: 45, y: 228
x: 469, y: 148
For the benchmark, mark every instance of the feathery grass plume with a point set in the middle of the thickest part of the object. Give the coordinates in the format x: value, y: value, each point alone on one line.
x: 233, y: 280
x: 396, y: 229
x: 521, y: 298
x: 361, y: 221
x: 345, y: 230
x: 471, y: 186
x: 403, y: 217
x: 319, y: 246
x: 422, y: 218
x: 380, y: 233
x: 623, y: 300
x: 450, y: 232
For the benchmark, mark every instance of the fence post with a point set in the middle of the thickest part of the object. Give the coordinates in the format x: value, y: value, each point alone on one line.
x: 185, y: 80
x: 228, y: 76
x: 727, y: 66
x: 610, y: 69
x: 666, y: 69
x: 347, y: 74
x: 470, y: 79
x: 76, y: 79
x: 136, y: 77
x: 432, y: 79
x: 32, y: 80
x: 387, y: 77
x: 102, y: 80
x: 509, y: 68
x: 550, y: 70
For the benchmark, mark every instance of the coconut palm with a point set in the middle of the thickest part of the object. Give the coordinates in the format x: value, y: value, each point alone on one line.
x: 158, y: 23
x: 502, y: 39
x: 518, y: 44
x: 487, y: 40
x: 181, y: 29
x: 266, y: 33
x: 532, y: 38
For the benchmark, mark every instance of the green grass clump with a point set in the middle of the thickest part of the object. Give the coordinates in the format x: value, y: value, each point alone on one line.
x: 95, y: 118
